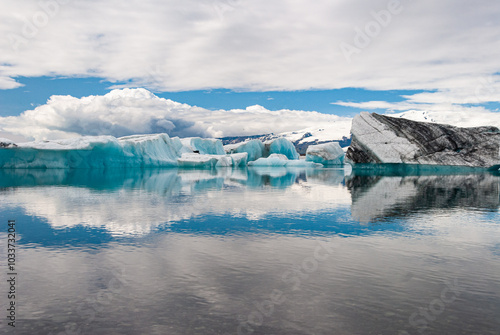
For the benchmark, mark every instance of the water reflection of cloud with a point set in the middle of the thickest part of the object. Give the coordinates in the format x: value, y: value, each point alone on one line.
x: 134, y: 202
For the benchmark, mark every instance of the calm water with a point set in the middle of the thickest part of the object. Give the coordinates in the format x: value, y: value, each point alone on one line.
x: 271, y: 251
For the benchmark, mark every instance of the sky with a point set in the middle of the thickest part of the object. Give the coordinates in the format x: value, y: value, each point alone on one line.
x: 227, y: 62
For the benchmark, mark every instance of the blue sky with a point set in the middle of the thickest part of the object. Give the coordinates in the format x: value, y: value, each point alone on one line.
x: 336, y: 57
x: 36, y: 92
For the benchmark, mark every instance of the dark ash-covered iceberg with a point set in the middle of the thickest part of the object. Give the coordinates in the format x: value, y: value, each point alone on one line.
x: 379, y: 139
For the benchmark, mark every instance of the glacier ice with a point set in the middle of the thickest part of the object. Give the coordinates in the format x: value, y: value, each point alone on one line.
x: 302, y: 164
x: 204, y: 146
x: 326, y: 153
x: 239, y: 159
x: 155, y: 150
x: 6, y: 143
x: 380, y: 139
x: 192, y: 160
x: 281, y: 146
x: 280, y: 160
x: 272, y: 160
x: 254, y: 149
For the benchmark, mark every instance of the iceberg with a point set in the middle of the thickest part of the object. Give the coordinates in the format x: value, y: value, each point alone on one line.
x: 275, y: 160
x: 281, y: 146
x: 326, y: 154
x: 280, y: 160
x: 156, y: 150
x: 379, y: 139
x: 204, y: 146
x: 239, y: 159
x: 254, y: 149
x: 192, y: 160
x: 6, y: 143
x: 303, y: 164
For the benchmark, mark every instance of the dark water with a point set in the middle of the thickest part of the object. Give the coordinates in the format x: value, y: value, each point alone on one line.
x: 251, y: 251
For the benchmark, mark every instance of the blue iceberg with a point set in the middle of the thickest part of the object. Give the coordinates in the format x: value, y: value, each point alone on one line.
x: 254, y: 149
x: 155, y: 150
x: 281, y: 146
x: 158, y: 150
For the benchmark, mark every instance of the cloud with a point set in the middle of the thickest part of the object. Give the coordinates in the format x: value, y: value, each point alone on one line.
x: 127, y: 214
x: 444, y: 112
x: 135, y: 111
x: 8, y: 83
x: 449, y: 46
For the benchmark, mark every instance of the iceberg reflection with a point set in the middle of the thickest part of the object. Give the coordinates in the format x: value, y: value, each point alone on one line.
x: 137, y: 201
x: 377, y: 196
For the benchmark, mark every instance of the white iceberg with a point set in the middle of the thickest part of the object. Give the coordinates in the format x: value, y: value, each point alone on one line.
x: 280, y: 160
x: 303, y: 164
x: 272, y: 160
x: 326, y: 154
x: 192, y: 160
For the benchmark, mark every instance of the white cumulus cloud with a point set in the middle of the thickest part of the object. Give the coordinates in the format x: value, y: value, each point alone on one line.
x: 138, y: 111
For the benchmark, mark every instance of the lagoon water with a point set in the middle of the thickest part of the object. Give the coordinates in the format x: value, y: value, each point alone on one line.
x: 252, y: 251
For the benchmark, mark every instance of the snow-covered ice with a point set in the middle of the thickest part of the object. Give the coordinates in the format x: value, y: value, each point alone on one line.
x: 5, y: 143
